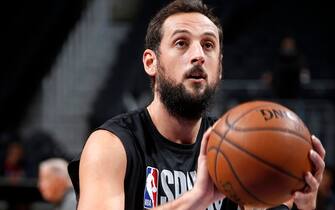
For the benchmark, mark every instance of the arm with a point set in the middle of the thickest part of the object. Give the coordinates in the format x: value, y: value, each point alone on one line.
x: 307, y: 200
x: 204, y: 191
x: 102, y: 172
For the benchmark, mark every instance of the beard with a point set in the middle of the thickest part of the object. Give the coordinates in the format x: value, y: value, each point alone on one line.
x: 179, y: 101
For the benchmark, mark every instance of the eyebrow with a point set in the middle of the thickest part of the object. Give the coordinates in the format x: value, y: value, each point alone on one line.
x: 179, y: 31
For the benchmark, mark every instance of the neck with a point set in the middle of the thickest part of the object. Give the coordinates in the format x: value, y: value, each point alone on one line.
x: 173, y: 128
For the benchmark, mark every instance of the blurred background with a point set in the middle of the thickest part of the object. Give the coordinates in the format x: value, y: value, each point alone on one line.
x: 68, y: 66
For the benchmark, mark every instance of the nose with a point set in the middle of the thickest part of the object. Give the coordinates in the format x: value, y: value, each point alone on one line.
x: 197, y: 55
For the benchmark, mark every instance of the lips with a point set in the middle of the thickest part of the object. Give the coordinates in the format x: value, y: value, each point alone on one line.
x: 196, y: 73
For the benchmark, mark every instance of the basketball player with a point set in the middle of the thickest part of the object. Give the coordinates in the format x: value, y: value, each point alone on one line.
x: 166, y: 141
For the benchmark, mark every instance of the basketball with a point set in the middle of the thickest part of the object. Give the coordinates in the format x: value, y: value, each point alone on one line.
x: 258, y: 154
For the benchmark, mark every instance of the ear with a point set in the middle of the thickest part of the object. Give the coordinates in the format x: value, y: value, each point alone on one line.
x: 149, y: 62
x: 221, y: 67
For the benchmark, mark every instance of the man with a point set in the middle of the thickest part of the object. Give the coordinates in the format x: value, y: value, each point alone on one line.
x: 289, y: 66
x: 55, y: 185
x: 164, y: 144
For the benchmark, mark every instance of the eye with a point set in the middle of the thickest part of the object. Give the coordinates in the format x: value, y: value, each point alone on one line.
x: 181, y: 43
x: 208, y: 45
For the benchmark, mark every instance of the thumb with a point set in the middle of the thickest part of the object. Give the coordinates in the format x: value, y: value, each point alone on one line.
x: 204, y: 141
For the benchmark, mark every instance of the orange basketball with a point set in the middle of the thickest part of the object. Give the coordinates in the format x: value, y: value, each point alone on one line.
x: 257, y: 154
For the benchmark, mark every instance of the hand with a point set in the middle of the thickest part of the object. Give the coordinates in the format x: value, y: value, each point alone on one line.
x: 307, y: 200
x: 204, y: 186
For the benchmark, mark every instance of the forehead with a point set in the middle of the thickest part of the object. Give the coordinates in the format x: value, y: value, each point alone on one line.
x: 194, y: 23
x: 45, y: 171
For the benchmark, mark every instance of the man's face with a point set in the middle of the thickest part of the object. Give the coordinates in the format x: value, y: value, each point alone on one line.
x: 48, y: 185
x: 188, y: 67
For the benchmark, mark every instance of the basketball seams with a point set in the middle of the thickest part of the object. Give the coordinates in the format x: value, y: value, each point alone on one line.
x: 231, y: 125
x: 258, y: 158
x: 242, y: 115
x: 236, y: 175
x: 215, y: 162
x: 268, y: 129
x: 225, y: 133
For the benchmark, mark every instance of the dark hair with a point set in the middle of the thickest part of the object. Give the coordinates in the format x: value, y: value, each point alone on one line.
x: 154, y: 32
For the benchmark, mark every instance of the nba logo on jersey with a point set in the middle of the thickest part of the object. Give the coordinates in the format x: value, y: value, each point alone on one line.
x: 151, y: 188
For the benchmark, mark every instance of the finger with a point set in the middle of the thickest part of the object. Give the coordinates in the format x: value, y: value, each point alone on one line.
x: 319, y: 165
x: 317, y: 146
x: 312, y: 182
x: 204, y: 141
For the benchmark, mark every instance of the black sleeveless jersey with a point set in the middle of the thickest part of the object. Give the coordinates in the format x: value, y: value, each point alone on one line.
x: 158, y: 170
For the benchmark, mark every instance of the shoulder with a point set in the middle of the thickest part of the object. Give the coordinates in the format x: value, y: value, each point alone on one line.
x: 129, y: 129
x: 124, y: 125
x: 125, y: 120
x: 100, y: 144
x: 103, y: 156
